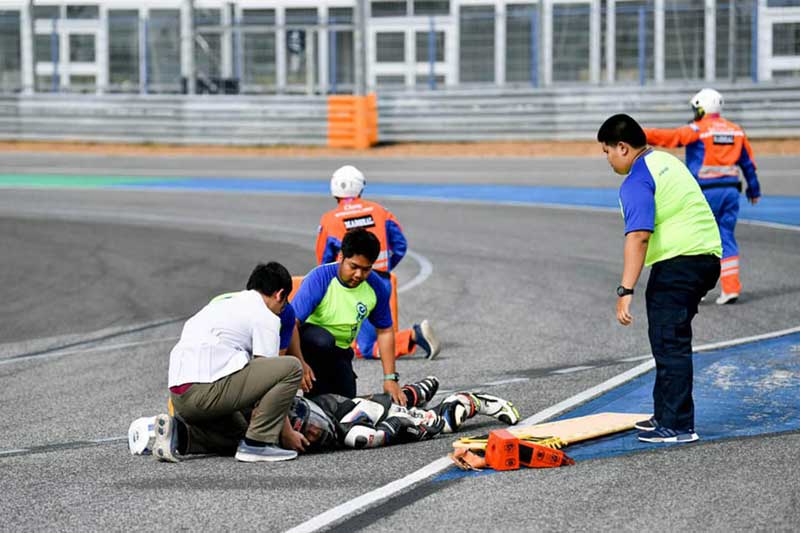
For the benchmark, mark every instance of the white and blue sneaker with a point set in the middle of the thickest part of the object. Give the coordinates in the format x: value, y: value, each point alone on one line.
x: 646, y: 425
x: 269, y: 453
x: 663, y: 434
x: 426, y: 339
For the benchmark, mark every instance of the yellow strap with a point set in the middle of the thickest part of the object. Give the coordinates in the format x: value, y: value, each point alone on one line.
x: 549, y: 442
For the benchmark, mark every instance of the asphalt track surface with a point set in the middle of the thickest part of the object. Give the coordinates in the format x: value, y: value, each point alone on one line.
x: 96, y: 283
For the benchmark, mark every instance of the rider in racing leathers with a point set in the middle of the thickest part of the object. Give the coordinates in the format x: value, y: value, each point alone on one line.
x: 331, y: 421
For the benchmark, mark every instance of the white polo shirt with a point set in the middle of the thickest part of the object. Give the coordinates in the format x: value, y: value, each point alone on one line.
x: 222, y: 338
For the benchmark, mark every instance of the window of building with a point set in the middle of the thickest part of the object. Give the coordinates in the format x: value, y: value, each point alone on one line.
x: 46, y: 12
x: 207, y: 17
x: 423, y: 41
x: 390, y: 47
x: 208, y: 46
x: 786, y: 39
x: 83, y: 12
x: 259, y: 60
x: 298, y: 40
x: 302, y: 17
x: 260, y: 17
x: 46, y: 47
x: 342, y: 47
x: 734, y: 39
x: 571, y: 42
x: 82, y: 83
x: 164, y: 50
x: 476, y: 42
x: 431, y: 7
x: 45, y: 84
x: 390, y: 80
x: 684, y: 22
x: 791, y: 74
x: 208, y: 54
x: 633, y: 41
x: 81, y: 48
x: 391, y: 8
x: 10, y: 53
x: 522, y: 34
x: 123, y: 49
x: 425, y: 80
x: 340, y: 15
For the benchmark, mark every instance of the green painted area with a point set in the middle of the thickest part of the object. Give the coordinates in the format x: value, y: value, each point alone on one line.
x: 67, y: 181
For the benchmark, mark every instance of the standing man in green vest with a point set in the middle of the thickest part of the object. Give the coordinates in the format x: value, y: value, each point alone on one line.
x: 669, y: 227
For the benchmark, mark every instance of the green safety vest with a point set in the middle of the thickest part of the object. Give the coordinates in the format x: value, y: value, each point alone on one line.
x: 684, y: 223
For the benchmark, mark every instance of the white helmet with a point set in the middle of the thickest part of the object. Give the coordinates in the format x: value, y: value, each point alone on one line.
x: 347, y: 182
x: 707, y: 102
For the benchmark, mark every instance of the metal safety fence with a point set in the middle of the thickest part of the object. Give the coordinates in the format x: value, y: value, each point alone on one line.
x: 438, y: 116
x: 573, y: 113
x: 230, y: 120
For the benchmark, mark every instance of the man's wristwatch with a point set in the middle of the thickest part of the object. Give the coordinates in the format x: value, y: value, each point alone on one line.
x: 623, y: 291
x: 394, y: 376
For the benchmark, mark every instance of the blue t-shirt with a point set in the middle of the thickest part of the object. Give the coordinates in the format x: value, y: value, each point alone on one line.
x: 637, y: 197
x: 287, y: 317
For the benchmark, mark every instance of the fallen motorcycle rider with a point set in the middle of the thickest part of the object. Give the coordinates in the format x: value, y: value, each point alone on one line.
x: 331, y: 421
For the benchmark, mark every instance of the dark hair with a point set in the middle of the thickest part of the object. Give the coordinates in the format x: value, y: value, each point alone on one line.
x: 270, y: 278
x: 361, y: 242
x: 621, y: 128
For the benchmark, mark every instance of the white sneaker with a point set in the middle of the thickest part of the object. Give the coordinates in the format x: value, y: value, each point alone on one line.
x: 727, y: 298
x: 269, y: 453
x: 165, y: 447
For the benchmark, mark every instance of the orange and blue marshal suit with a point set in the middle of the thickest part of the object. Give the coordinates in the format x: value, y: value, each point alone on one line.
x: 353, y: 212
x: 715, y: 151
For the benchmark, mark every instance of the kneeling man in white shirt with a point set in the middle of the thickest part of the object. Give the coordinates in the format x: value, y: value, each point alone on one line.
x: 226, y: 367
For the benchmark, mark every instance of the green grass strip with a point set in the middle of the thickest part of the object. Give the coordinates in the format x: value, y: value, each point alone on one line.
x: 76, y: 182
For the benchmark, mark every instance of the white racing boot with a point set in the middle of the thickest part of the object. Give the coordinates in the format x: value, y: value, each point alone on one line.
x: 496, y: 407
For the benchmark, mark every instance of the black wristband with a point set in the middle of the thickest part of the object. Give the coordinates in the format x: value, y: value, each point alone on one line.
x: 623, y: 291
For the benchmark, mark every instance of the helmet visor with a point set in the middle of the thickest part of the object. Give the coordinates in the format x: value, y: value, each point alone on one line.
x: 310, y: 420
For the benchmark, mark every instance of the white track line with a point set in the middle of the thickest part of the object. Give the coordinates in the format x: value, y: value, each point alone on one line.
x: 365, y: 500
x: 425, y: 271
x: 355, y: 505
x: 745, y: 340
x: 9, y: 452
x: 88, y: 350
x: 571, y: 369
x: 506, y: 381
x: 109, y: 439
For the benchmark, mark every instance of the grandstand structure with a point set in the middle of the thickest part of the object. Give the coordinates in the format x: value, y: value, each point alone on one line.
x: 345, y: 46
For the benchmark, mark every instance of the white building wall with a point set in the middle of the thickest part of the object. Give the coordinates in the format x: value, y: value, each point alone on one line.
x: 411, y: 69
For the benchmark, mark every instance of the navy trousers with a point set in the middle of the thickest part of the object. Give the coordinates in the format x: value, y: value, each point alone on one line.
x: 673, y: 293
x: 333, y: 366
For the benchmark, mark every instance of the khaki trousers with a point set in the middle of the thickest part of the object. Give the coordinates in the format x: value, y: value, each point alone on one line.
x: 214, y: 413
